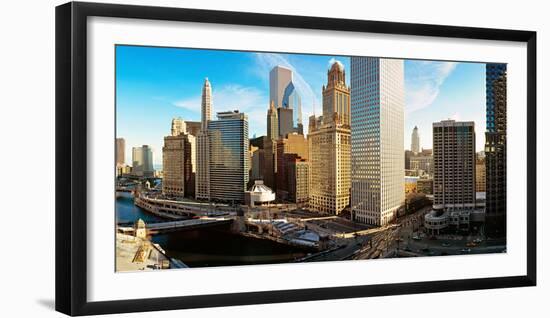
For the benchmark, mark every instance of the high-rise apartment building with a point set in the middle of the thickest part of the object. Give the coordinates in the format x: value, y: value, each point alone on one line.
x: 142, y: 161
x: 229, y: 163
x: 454, y: 150
x: 415, y: 140
x: 202, y: 177
x: 329, y: 146
x: 120, y: 151
x: 377, y: 124
x: 495, y: 148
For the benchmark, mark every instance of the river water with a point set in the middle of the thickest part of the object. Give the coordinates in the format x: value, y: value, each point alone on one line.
x: 209, y: 246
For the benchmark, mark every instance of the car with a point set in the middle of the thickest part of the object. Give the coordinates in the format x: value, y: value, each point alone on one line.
x: 465, y: 250
x: 416, y: 238
x: 478, y: 240
x: 445, y: 244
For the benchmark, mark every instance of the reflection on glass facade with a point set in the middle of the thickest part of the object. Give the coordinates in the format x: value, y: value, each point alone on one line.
x: 229, y: 159
x: 292, y: 100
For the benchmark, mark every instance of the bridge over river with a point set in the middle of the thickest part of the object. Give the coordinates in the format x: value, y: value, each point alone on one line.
x: 172, y: 226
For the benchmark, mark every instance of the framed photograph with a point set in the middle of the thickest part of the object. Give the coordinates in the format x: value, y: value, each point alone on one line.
x: 209, y: 158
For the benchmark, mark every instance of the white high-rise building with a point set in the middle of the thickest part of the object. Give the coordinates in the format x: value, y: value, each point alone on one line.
x: 415, y: 141
x: 202, y: 188
x: 377, y: 124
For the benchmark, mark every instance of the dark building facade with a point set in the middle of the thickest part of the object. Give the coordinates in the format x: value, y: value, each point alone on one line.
x: 495, y: 149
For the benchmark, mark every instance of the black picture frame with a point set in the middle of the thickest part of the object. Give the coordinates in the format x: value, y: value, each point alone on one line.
x: 71, y: 157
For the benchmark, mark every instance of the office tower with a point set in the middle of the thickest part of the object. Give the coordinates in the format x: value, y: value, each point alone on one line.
x: 120, y: 151
x: 283, y: 94
x: 229, y: 157
x: 272, y: 122
x: 377, y: 124
x: 279, y: 78
x: 408, y: 155
x: 422, y: 162
x: 270, y: 144
x: 285, y: 121
x: 415, y: 141
x: 142, y: 161
x: 177, y: 165
x: 480, y: 172
x: 292, y: 100
x: 202, y: 177
x: 329, y: 146
x: 289, y: 149
x: 495, y: 149
x: 257, y: 160
x: 298, y: 180
x: 454, y: 165
x: 178, y: 127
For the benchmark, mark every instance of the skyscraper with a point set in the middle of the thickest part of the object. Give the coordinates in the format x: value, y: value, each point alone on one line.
x: 495, y: 148
x: 272, y: 122
x: 289, y: 149
x: 454, y: 165
x: 377, y: 124
x: 415, y: 141
x: 177, y: 165
x: 229, y: 163
x: 202, y: 178
x: 142, y: 161
x: 120, y: 151
x: 329, y: 146
x: 279, y: 78
x: 283, y: 94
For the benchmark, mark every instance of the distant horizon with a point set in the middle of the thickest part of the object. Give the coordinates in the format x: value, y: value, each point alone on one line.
x: 154, y: 85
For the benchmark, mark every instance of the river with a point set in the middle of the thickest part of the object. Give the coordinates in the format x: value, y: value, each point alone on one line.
x: 209, y: 246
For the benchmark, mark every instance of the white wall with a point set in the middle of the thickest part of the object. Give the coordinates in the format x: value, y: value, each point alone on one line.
x: 27, y: 136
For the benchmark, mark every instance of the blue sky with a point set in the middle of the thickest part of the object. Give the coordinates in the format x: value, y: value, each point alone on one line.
x: 153, y: 85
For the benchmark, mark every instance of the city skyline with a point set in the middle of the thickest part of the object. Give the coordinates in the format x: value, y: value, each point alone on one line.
x: 170, y: 86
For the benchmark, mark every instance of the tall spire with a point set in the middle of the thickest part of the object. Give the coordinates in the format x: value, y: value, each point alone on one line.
x: 206, y: 104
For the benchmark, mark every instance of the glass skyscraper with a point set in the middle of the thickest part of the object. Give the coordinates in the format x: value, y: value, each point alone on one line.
x: 229, y: 157
x: 495, y: 149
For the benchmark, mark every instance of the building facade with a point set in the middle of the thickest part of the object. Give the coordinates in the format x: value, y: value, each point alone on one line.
x: 454, y: 165
x: 329, y: 146
x: 178, y: 175
x: 229, y: 163
x: 377, y: 124
x: 298, y: 180
x: 202, y: 177
x: 495, y: 148
x: 120, y: 151
x: 422, y: 162
x: 415, y: 140
x: 293, y: 147
x: 142, y: 161
x: 480, y: 174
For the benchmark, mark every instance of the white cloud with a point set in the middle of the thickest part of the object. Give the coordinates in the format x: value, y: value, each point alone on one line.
x: 424, y: 80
